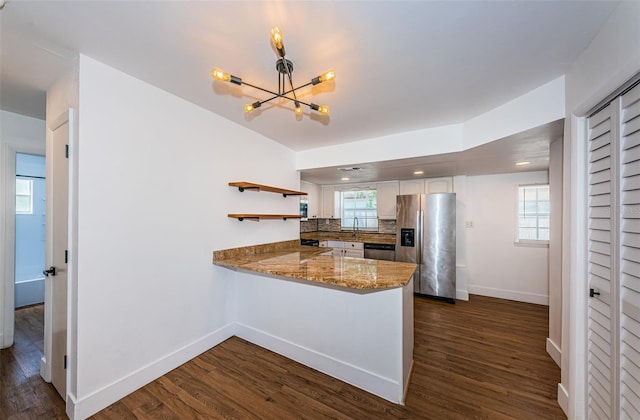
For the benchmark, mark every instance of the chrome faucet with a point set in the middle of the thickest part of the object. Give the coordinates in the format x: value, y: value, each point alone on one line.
x: 355, y: 225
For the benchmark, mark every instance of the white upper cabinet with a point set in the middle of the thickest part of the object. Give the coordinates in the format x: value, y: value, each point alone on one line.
x: 427, y: 186
x: 412, y: 186
x: 438, y: 185
x: 328, y: 202
x: 387, y: 192
x: 314, y: 198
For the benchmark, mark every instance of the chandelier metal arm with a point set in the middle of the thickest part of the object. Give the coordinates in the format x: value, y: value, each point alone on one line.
x: 290, y: 80
x: 259, y: 88
x: 285, y: 69
x: 280, y: 95
x: 286, y: 97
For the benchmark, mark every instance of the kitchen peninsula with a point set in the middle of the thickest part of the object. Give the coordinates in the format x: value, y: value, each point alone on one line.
x: 351, y: 318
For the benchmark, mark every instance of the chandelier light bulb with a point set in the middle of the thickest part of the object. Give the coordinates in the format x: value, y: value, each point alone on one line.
x: 298, y: 110
x: 323, y: 109
x: 276, y: 36
x: 324, y: 77
x: 327, y: 75
x: 248, y: 108
x: 221, y: 75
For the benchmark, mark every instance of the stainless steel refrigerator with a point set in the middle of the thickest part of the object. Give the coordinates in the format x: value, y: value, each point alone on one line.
x: 426, y: 236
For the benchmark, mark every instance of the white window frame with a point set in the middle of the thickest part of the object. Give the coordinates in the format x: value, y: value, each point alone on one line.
x: 344, y: 222
x: 29, y: 195
x: 528, y: 242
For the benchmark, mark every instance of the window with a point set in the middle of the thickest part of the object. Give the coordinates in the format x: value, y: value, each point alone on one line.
x: 24, y: 196
x: 362, y: 206
x: 533, y: 213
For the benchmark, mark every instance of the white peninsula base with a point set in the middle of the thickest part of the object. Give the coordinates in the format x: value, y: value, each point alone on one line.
x: 362, y: 337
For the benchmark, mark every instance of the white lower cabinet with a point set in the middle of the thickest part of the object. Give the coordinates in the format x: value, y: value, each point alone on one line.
x: 345, y: 249
x: 355, y: 253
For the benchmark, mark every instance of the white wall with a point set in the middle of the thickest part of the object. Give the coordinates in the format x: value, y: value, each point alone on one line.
x: 460, y: 188
x: 537, y: 107
x: 495, y: 265
x: 612, y: 58
x: 18, y: 133
x: 152, y: 206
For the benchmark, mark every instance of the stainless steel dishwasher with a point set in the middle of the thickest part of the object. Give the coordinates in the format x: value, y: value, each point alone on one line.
x: 380, y: 251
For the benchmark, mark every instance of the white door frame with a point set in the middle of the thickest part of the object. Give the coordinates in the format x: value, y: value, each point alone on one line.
x: 7, y: 290
x: 576, y: 288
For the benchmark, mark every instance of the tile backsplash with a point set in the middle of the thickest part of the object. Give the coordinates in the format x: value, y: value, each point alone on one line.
x: 329, y: 225
x: 309, y: 226
x: 333, y: 225
x: 386, y: 226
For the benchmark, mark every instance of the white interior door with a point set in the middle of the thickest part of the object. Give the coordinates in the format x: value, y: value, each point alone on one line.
x: 58, y: 197
x: 602, y: 193
x: 613, y: 362
x: 629, y: 359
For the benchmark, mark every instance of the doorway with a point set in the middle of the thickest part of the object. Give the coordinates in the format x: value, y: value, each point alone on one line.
x: 30, y: 230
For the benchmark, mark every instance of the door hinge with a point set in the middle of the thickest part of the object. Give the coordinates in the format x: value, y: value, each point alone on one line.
x: 66, y: 256
x: 65, y: 361
x: 66, y: 151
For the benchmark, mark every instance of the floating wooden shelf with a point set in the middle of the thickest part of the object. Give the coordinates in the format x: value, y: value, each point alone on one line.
x: 257, y: 187
x: 257, y: 217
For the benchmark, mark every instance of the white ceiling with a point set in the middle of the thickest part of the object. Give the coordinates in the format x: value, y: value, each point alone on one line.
x: 401, y: 65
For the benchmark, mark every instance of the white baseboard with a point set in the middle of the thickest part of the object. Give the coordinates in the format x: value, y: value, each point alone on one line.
x: 45, y: 370
x: 509, y: 294
x: 91, y: 404
x: 563, y: 399
x: 383, y: 387
x: 554, y: 351
x: 462, y: 295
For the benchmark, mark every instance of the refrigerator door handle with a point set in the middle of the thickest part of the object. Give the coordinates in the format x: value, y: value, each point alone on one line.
x: 419, y: 233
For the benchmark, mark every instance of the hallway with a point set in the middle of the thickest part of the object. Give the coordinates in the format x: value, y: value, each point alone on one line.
x: 23, y: 393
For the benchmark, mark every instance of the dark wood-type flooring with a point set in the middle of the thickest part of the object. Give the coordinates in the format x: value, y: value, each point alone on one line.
x: 23, y: 393
x: 482, y: 359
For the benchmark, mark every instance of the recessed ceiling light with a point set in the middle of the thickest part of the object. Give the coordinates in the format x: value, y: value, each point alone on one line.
x: 345, y: 178
x: 526, y: 162
x: 418, y: 172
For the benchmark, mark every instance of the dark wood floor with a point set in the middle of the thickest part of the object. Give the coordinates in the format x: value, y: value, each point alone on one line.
x: 482, y: 359
x: 23, y: 393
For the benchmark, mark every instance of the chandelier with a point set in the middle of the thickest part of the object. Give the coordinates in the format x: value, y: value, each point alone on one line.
x: 284, y: 68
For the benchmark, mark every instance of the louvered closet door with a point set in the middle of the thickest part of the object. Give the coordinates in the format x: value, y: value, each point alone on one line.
x: 601, y: 263
x: 630, y: 256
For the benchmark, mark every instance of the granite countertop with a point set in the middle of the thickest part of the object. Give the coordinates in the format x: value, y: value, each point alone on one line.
x: 291, y: 260
x: 373, y: 238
